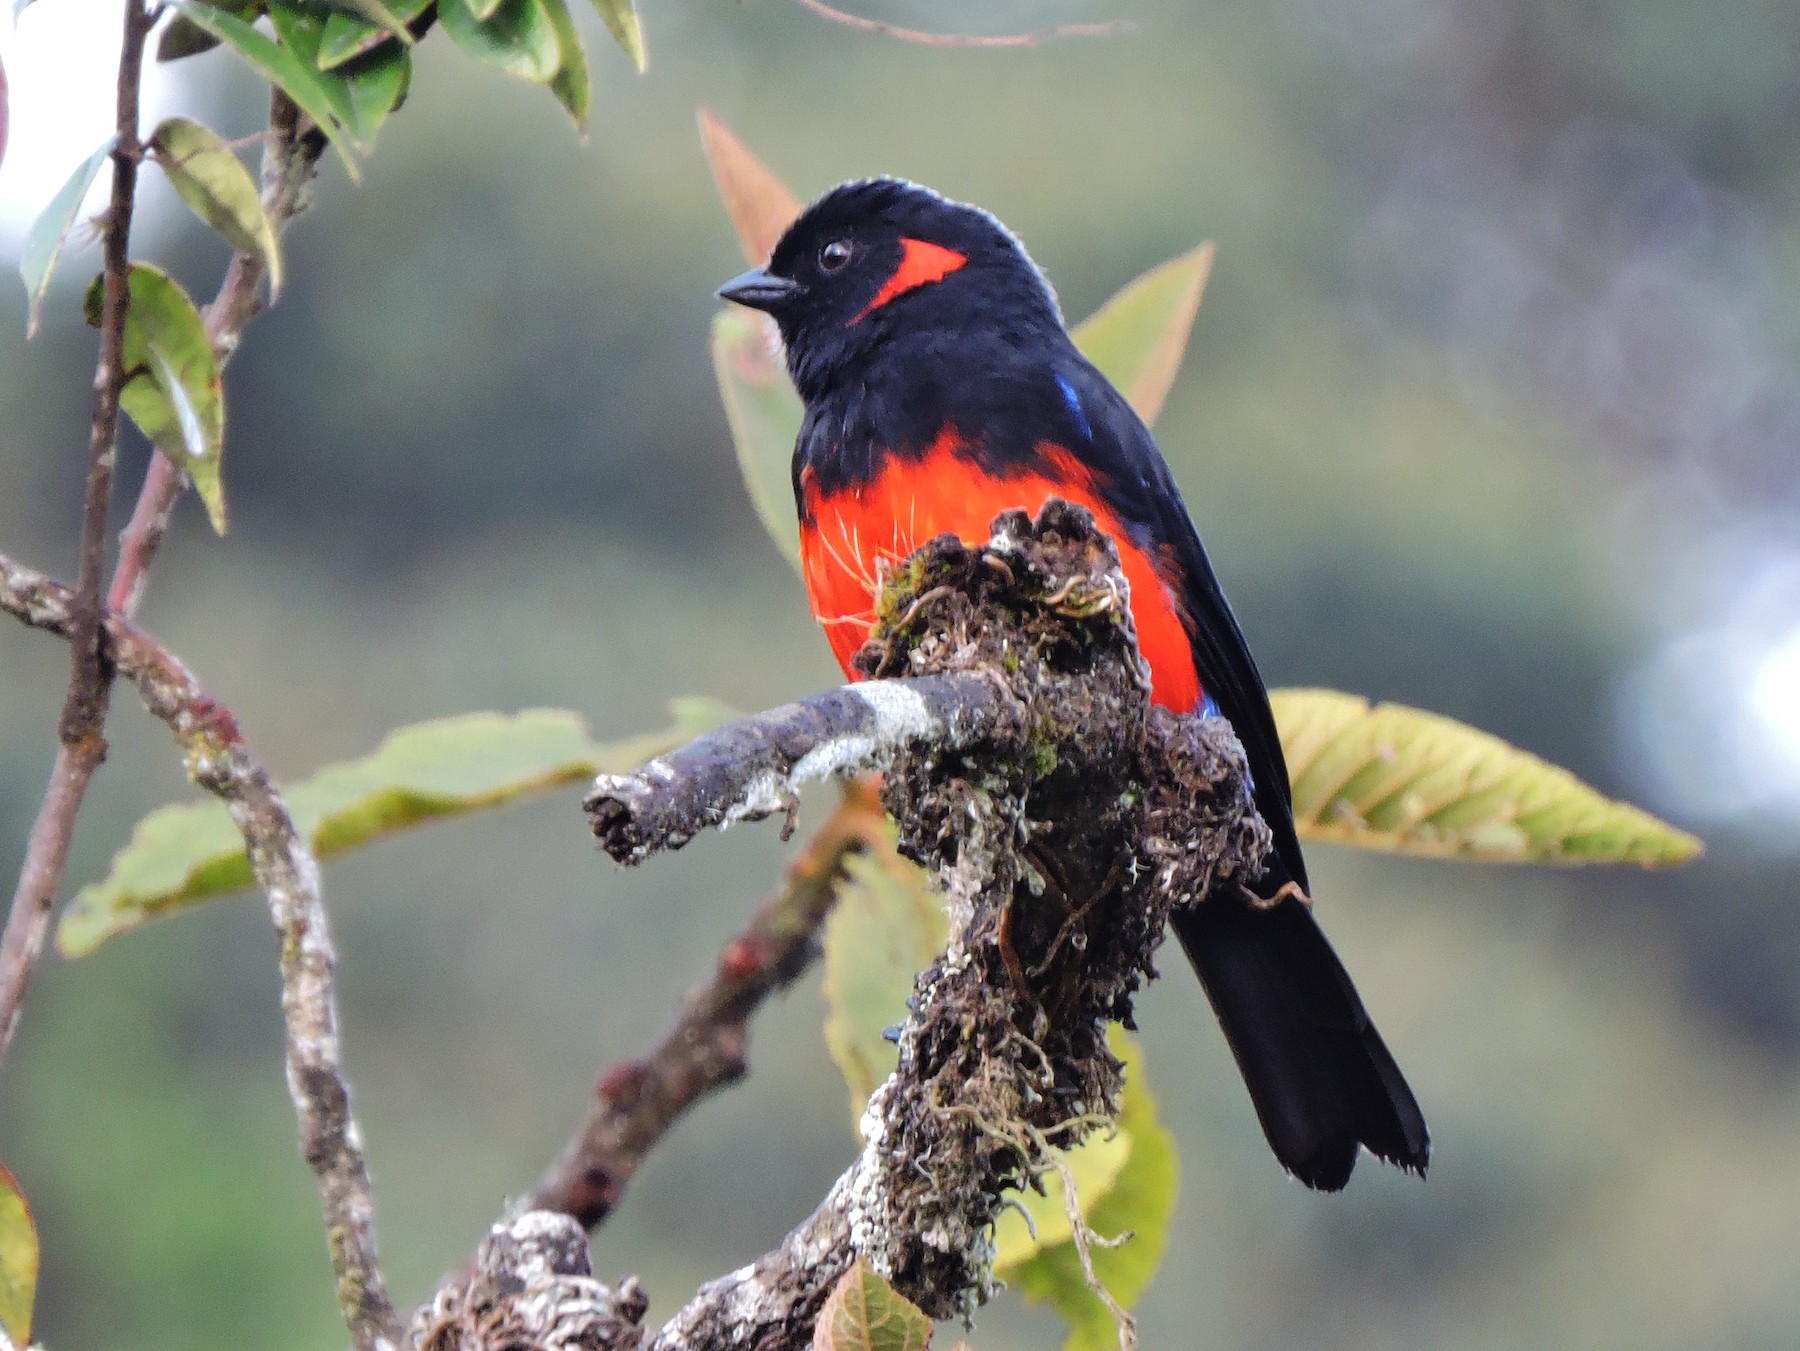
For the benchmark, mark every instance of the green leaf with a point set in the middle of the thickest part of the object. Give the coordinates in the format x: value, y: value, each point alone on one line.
x: 1137, y: 337
x: 344, y: 37
x: 571, y: 84
x: 1141, y: 1202
x: 378, y: 85
x: 172, y: 389
x: 186, y: 853
x: 182, y: 37
x: 216, y: 185
x: 621, y: 19
x: 45, y: 242
x: 389, y: 17
x: 18, y: 1260
x: 886, y: 927
x: 764, y: 414
x: 864, y: 1313
x: 1400, y: 780
x: 1096, y: 1164
x: 291, y: 66
x: 518, y: 38
x: 483, y: 9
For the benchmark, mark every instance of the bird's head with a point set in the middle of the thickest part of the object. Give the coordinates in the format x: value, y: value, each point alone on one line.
x: 879, y: 259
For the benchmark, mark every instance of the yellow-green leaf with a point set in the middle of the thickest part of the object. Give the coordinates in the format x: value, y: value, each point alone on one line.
x: 45, y: 242
x: 182, y: 854
x: 1140, y: 1203
x: 1400, y: 780
x: 290, y: 65
x: 218, y: 188
x: 517, y: 37
x: 1137, y: 337
x: 571, y: 84
x: 621, y: 20
x: 764, y: 414
x: 389, y: 17
x: 760, y: 205
x: 18, y: 1260
x: 172, y: 390
x: 864, y: 1313
x: 886, y: 927
x: 1096, y: 1164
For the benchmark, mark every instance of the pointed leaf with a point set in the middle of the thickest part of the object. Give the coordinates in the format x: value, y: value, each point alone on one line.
x: 172, y: 390
x: 185, y: 853
x: 864, y: 1313
x: 294, y: 72
x: 381, y: 14
x: 1140, y: 1203
x: 518, y: 38
x: 571, y: 85
x: 759, y: 204
x: 182, y: 37
x: 18, y: 1260
x: 216, y: 185
x: 1137, y: 337
x: 378, y: 85
x: 764, y: 414
x: 45, y: 242
x: 1401, y: 780
x: 621, y: 19
x: 345, y: 38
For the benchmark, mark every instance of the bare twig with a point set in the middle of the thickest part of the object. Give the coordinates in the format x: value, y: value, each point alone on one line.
x: 81, y: 730
x: 1032, y: 39
x: 219, y: 761
x: 637, y: 1101
x: 753, y: 767
x: 290, y: 159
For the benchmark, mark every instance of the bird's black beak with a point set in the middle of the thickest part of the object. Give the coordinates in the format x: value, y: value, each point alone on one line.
x: 759, y: 290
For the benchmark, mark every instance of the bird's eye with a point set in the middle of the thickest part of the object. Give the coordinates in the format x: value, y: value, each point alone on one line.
x: 834, y: 255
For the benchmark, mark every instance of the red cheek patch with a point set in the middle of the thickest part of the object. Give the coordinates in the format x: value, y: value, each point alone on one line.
x: 921, y: 263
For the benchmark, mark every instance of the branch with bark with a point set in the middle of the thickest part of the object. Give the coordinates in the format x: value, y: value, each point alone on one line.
x: 1060, y: 815
x: 219, y: 761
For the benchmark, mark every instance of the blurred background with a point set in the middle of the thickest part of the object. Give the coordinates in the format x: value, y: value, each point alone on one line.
x: 1493, y: 407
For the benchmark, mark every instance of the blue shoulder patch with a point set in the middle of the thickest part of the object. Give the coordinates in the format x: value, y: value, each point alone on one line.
x: 1074, y: 401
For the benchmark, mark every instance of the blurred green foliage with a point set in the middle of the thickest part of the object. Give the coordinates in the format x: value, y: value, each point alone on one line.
x: 476, y: 461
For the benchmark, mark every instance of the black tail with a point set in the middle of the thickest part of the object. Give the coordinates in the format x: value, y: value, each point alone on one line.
x: 1322, y: 1081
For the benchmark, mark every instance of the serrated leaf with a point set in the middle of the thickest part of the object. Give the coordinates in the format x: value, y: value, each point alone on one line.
x: 344, y: 38
x: 571, y: 84
x: 760, y: 205
x: 1141, y: 1202
x: 18, y: 1260
x: 517, y: 38
x: 44, y: 244
x: 321, y: 97
x: 764, y: 413
x: 182, y: 854
x: 864, y: 1313
x: 1400, y: 780
x: 173, y: 390
x: 1137, y: 337
x: 621, y: 20
x: 378, y: 85
x: 218, y: 188
x: 886, y: 926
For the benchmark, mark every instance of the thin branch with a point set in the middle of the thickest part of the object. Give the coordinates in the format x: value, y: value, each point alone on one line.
x: 754, y: 767
x: 290, y: 160
x: 220, y: 762
x: 81, y: 729
x: 1032, y: 39
x: 637, y: 1101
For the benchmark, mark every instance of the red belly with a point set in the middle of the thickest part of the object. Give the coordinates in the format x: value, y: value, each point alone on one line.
x: 856, y: 536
